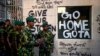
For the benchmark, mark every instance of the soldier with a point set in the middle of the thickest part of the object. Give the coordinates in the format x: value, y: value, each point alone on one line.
x: 8, y: 27
x: 22, y: 51
x: 15, y: 37
x: 45, y: 40
x: 31, y: 38
x: 2, y: 39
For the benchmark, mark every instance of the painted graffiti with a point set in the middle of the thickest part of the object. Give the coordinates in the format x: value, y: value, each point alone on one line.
x: 74, y: 23
x: 98, y: 21
x: 40, y: 15
x: 40, y: 9
x: 46, y: 4
x: 74, y: 49
x: 40, y: 12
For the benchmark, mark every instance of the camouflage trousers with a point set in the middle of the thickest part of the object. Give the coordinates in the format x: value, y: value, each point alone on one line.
x: 44, y: 52
x: 25, y: 52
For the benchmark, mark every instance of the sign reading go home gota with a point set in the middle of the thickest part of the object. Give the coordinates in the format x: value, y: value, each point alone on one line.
x: 74, y: 22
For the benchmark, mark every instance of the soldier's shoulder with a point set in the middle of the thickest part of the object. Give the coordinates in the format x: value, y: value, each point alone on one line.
x: 11, y: 31
x: 1, y: 30
x: 26, y: 28
x: 40, y: 31
x: 49, y: 31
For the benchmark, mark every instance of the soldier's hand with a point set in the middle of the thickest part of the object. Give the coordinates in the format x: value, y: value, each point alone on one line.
x: 40, y: 41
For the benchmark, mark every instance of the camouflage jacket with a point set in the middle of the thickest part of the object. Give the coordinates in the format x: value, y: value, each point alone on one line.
x: 48, y: 38
x: 2, y: 38
x: 8, y: 28
x: 30, y: 39
x: 16, y: 39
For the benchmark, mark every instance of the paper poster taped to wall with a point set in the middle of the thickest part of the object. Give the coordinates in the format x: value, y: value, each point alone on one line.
x: 74, y: 22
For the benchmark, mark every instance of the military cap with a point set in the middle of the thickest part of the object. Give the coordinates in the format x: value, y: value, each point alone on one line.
x: 44, y: 23
x: 30, y: 19
x: 18, y: 22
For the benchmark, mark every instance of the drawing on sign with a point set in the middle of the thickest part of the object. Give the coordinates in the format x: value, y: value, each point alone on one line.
x: 74, y: 22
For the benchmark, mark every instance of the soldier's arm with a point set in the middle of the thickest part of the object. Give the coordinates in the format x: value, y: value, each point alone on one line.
x: 8, y: 38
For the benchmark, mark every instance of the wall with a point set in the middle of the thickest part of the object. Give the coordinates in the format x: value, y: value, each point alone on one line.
x: 48, y: 9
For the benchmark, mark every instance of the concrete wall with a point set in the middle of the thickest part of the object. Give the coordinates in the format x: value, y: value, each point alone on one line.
x: 49, y: 12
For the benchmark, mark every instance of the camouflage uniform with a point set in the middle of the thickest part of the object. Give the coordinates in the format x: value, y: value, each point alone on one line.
x: 30, y: 39
x: 8, y: 28
x: 16, y: 39
x: 46, y: 45
x: 2, y: 40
